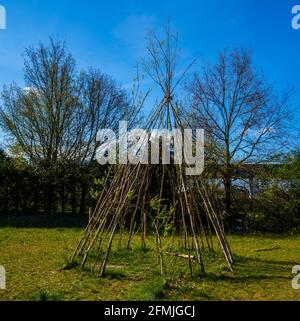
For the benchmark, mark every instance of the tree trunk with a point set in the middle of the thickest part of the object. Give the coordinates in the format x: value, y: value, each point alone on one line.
x: 63, y: 198
x: 73, y: 198
x: 83, y: 198
x: 50, y: 195
x: 227, y: 186
x: 227, y: 179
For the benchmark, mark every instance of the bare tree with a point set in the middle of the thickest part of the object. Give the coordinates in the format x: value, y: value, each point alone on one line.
x: 37, y: 116
x: 243, y: 118
x: 57, y: 116
x: 102, y: 104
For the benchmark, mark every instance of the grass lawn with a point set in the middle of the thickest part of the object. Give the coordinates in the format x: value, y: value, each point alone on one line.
x: 35, y: 254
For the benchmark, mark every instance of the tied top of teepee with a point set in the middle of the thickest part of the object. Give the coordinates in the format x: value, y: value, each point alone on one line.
x: 168, y: 97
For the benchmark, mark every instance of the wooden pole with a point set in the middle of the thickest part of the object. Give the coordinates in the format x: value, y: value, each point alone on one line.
x: 91, y: 214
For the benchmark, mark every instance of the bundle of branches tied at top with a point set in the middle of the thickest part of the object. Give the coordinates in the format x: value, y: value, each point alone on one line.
x: 160, y: 194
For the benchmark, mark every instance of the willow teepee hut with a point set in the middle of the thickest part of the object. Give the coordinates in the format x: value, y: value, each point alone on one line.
x: 153, y: 198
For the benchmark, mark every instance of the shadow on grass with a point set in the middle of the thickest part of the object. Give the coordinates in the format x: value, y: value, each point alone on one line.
x: 254, y: 269
x: 111, y: 273
x: 44, y: 296
x: 154, y: 289
x: 242, y: 261
x: 43, y: 221
x: 244, y: 278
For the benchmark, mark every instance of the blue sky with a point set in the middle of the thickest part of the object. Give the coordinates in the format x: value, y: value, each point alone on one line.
x: 110, y: 34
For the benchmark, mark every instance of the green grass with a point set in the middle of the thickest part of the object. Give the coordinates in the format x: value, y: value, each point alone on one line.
x: 35, y: 255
